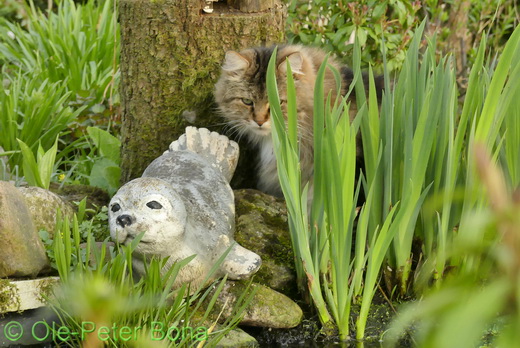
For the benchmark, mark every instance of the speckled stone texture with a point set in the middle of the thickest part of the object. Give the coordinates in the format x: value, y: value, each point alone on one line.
x: 185, y: 206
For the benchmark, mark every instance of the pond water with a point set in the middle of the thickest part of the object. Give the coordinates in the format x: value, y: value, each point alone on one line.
x: 277, y: 338
x: 301, y: 337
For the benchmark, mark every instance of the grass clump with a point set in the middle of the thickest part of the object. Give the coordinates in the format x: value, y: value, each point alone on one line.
x: 78, y: 46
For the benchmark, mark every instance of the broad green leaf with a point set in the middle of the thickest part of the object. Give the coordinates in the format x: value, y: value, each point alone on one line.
x: 105, y: 174
x: 46, y: 165
x: 30, y: 167
x: 108, y: 145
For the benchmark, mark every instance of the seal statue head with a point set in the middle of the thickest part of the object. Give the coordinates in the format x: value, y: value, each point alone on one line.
x: 148, y: 205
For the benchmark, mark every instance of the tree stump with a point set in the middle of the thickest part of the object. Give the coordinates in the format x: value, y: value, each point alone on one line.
x: 171, y: 52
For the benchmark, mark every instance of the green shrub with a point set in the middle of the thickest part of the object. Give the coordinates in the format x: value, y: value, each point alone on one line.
x: 459, y: 25
x: 61, y: 75
x: 322, y: 237
x: 335, y: 25
x: 32, y: 110
x: 38, y: 171
x: 11, y: 9
x: 105, y: 172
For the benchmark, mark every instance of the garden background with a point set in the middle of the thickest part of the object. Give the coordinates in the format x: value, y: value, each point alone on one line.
x: 440, y: 225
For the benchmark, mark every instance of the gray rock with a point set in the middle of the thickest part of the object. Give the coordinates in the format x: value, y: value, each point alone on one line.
x: 25, y: 294
x: 261, y: 225
x: 237, y: 339
x: 44, y: 205
x: 21, y: 252
x: 185, y: 206
x: 268, y: 308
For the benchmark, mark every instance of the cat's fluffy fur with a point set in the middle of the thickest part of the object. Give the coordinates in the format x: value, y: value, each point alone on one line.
x: 242, y: 99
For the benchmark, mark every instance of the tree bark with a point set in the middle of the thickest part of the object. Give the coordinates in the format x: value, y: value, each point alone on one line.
x: 460, y: 38
x: 171, y: 54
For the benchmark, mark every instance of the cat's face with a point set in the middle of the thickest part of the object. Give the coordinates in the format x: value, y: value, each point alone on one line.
x: 241, y: 90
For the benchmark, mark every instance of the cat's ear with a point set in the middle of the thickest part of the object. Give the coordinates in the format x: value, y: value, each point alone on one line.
x: 234, y: 62
x: 295, y: 60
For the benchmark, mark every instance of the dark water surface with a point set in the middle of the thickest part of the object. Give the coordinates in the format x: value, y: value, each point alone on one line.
x: 307, y: 339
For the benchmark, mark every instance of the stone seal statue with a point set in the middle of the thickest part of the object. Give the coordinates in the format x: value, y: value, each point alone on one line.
x: 185, y: 206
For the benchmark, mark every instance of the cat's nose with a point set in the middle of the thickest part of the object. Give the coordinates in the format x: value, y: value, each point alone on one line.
x: 261, y: 118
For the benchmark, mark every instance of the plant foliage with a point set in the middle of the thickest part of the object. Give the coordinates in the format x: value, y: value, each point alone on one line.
x: 58, y: 68
x: 419, y: 177
x: 107, y: 293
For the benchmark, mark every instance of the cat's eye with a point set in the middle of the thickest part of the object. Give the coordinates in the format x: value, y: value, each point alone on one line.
x: 154, y: 205
x: 248, y: 102
x: 116, y: 207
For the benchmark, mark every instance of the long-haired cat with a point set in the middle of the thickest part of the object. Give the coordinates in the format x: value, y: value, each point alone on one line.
x: 241, y: 96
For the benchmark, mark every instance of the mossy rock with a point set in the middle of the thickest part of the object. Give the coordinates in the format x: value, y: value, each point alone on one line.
x: 27, y: 294
x: 261, y: 226
x: 6, y: 298
x: 237, y: 338
x: 21, y: 252
x: 44, y: 205
x: 268, y: 308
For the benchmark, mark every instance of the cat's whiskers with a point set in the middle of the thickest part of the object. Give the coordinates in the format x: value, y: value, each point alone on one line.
x: 218, y: 124
x: 236, y: 129
x: 242, y: 131
x: 233, y: 129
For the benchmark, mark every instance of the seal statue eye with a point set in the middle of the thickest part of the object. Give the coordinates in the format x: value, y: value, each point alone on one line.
x: 154, y: 205
x: 115, y: 207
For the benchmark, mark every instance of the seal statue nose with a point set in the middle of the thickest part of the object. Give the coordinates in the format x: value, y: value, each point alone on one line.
x: 124, y: 220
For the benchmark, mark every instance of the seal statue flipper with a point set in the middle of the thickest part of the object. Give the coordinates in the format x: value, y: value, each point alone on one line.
x: 239, y: 263
x: 217, y: 149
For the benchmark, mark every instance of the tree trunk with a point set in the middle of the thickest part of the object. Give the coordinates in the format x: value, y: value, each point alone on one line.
x: 171, y: 52
x: 460, y: 39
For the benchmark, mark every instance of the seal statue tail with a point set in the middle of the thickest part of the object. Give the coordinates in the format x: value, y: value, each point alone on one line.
x: 217, y: 149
